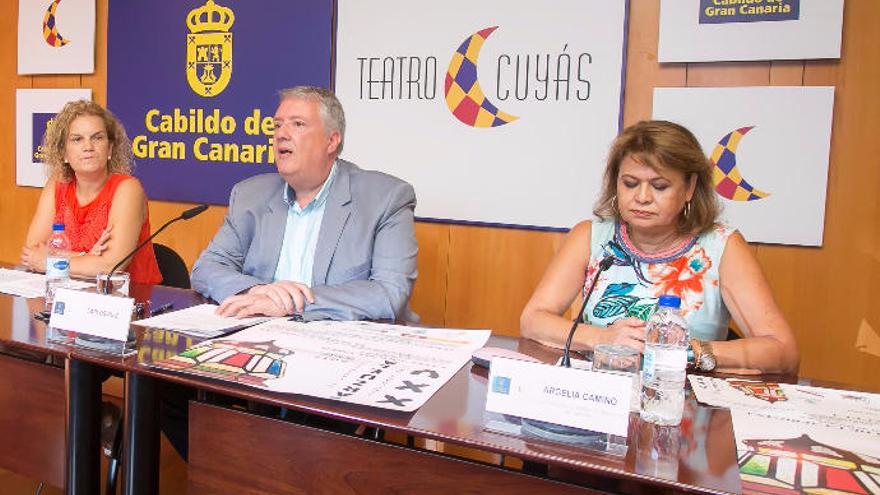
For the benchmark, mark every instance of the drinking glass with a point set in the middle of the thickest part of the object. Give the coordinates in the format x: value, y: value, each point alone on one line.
x: 119, y: 283
x: 620, y: 359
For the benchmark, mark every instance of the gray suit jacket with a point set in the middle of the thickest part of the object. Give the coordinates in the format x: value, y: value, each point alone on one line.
x: 365, y: 259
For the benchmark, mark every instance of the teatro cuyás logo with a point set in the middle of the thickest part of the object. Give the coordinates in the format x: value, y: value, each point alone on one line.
x: 726, y: 175
x: 50, y: 27
x: 533, y: 77
x: 209, y: 49
x: 464, y: 96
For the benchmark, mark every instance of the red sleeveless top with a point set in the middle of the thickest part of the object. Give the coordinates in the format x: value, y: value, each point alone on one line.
x: 84, y: 224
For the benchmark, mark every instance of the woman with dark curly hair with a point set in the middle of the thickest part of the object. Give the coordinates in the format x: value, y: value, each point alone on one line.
x: 658, y: 225
x: 90, y: 190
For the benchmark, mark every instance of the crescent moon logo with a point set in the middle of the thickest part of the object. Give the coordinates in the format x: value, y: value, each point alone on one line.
x: 50, y: 30
x: 464, y: 97
x: 729, y: 182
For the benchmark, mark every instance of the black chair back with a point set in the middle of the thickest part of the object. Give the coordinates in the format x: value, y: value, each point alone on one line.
x: 172, y: 267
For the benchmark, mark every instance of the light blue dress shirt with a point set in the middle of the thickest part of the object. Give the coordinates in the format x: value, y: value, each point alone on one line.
x: 301, y: 234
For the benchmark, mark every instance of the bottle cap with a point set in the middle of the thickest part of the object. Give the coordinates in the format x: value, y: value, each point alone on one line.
x: 669, y: 301
x: 57, y: 227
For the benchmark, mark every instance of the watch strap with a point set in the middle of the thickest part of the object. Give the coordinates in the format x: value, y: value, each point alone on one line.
x: 694, y: 353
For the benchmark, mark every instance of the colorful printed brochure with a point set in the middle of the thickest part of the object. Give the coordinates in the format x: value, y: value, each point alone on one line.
x: 387, y: 366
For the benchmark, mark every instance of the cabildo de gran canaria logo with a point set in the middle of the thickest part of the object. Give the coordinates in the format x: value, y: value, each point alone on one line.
x: 209, y: 49
x: 527, y: 77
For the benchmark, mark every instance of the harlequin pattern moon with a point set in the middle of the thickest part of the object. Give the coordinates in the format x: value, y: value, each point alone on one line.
x: 464, y: 96
x: 726, y: 176
x: 50, y: 28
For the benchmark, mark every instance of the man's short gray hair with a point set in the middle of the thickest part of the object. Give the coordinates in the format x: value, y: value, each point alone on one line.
x: 332, y: 115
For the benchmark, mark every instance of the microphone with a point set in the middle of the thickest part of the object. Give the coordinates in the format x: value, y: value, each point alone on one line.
x: 186, y: 215
x: 603, y: 265
x: 194, y: 211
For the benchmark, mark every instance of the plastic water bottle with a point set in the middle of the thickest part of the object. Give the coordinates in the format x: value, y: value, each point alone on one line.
x: 57, y: 263
x: 663, y: 373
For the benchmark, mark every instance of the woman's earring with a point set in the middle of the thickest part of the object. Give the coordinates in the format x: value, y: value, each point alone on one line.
x: 614, y: 205
x: 687, y: 208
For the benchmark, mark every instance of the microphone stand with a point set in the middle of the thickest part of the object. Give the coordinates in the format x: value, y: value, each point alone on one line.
x: 578, y: 319
x: 186, y: 215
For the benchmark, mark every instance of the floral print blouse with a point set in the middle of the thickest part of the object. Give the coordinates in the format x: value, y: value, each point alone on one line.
x: 636, y: 280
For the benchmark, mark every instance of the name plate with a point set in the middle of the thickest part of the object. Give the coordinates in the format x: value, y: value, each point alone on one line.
x: 582, y: 399
x: 92, y: 314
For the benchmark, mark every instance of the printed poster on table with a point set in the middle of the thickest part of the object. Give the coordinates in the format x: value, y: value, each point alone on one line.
x: 499, y: 111
x: 798, y: 439
x: 731, y: 30
x: 34, y: 111
x: 195, y: 82
x: 769, y: 147
x: 386, y: 366
x: 56, y: 36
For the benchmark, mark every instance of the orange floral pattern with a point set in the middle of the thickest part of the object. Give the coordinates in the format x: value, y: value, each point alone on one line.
x: 683, y: 277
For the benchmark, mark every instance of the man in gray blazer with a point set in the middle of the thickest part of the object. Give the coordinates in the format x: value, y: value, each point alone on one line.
x: 322, y: 238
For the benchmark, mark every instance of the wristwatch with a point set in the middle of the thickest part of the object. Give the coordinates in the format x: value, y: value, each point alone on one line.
x: 704, y: 357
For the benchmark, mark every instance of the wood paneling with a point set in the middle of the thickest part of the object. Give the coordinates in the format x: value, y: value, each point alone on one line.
x: 492, y: 273
x: 189, y: 237
x: 643, y: 73
x: 291, y: 458
x: 429, y: 294
x: 98, y: 80
x: 48, y: 81
x: 787, y: 73
x: 480, y: 277
x: 728, y: 74
x: 16, y: 203
x: 32, y: 416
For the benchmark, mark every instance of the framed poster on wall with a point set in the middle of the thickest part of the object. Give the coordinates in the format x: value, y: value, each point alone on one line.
x: 769, y: 148
x: 34, y: 111
x: 732, y: 30
x: 498, y: 112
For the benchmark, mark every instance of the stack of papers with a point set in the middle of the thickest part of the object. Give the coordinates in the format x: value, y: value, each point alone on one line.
x: 201, y: 321
x: 28, y: 284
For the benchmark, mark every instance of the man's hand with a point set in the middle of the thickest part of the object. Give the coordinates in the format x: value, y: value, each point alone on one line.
x: 276, y: 299
x: 244, y: 305
x: 291, y: 296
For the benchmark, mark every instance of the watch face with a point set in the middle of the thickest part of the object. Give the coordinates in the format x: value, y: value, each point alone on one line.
x: 707, y: 362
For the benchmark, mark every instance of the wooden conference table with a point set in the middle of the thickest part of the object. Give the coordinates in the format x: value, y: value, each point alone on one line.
x: 234, y: 451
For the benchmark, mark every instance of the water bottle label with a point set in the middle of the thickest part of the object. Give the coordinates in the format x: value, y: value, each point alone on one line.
x: 672, y: 359
x: 648, y: 365
x: 57, y: 267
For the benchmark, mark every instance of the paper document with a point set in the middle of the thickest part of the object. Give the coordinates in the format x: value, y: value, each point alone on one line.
x: 29, y: 284
x: 800, y: 438
x: 387, y: 366
x: 851, y: 416
x: 201, y: 321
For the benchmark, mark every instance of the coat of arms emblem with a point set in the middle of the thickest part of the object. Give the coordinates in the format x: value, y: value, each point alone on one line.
x: 209, y: 48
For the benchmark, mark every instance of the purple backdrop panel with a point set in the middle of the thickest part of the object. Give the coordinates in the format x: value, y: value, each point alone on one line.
x: 195, y: 83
